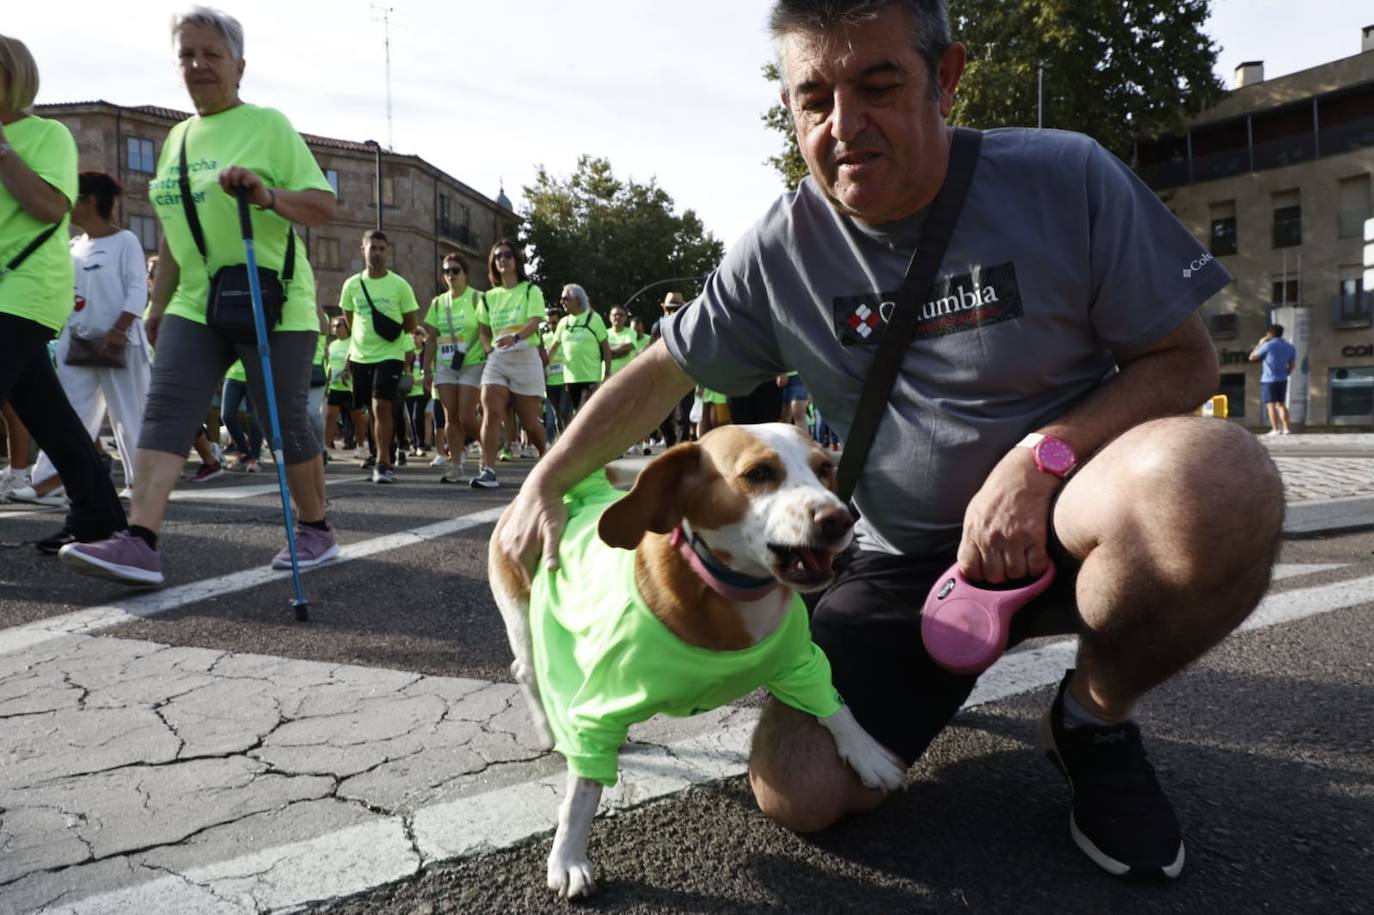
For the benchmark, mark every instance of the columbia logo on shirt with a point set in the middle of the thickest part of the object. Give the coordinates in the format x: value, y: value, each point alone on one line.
x: 987, y: 296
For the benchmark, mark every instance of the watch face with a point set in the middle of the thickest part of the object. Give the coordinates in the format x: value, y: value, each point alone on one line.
x: 1055, y: 455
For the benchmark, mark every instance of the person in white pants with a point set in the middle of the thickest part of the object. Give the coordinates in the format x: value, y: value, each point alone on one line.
x: 111, y: 293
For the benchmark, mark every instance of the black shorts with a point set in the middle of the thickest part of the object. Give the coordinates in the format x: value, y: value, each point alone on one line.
x: 342, y: 399
x: 375, y: 381
x: 869, y: 625
x: 579, y: 391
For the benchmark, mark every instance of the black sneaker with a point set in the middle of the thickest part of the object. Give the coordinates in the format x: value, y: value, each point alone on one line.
x: 370, y: 463
x: 1120, y: 817
x: 50, y: 545
x: 401, y: 457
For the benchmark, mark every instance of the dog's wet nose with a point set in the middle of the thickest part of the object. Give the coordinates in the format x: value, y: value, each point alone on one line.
x: 834, y: 522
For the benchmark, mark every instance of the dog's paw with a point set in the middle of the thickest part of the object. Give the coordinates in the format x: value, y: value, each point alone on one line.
x: 876, y: 765
x: 570, y: 877
x: 543, y: 734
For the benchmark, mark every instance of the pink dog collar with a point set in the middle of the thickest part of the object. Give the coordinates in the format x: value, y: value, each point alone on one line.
x: 726, y: 582
x: 965, y: 627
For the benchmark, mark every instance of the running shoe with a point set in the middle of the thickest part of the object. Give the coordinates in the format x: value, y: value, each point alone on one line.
x: 50, y: 545
x: 11, y: 482
x: 486, y: 479
x: 401, y: 457
x: 439, y: 461
x: 452, y: 475
x: 370, y: 463
x: 505, y: 455
x: 1120, y: 817
x: 208, y: 472
x: 57, y: 497
x: 253, y: 466
x: 122, y: 557
x: 383, y: 474
x: 360, y: 454
x: 313, y: 547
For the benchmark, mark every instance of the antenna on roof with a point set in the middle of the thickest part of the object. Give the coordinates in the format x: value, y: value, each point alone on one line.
x: 383, y: 14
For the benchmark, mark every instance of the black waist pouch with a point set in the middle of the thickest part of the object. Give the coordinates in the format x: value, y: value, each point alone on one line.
x: 229, y: 310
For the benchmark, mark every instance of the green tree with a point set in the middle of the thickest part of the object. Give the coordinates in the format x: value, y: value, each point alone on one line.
x: 1117, y: 70
x: 789, y: 162
x: 612, y: 237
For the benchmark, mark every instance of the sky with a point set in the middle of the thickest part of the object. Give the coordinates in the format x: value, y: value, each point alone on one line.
x: 666, y: 91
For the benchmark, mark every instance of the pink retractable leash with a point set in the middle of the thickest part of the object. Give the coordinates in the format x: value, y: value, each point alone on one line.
x: 965, y: 626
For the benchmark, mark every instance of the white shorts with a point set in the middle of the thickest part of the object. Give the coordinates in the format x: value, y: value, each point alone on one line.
x: 522, y: 371
x: 470, y: 375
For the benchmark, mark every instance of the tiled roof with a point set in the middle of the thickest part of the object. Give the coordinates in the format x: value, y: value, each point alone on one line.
x: 314, y: 140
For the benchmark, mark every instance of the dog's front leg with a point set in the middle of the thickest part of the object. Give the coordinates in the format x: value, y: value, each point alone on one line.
x: 875, y: 764
x: 570, y: 873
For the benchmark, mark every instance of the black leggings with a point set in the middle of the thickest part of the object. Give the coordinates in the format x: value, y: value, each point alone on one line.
x: 29, y: 384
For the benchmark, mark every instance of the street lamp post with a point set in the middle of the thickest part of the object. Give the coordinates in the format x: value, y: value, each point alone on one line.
x: 377, y: 153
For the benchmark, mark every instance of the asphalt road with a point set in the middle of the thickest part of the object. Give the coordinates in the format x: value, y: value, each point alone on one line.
x: 1266, y: 746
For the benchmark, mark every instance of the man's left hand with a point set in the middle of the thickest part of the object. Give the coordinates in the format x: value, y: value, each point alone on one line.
x: 115, y: 341
x: 1007, y: 522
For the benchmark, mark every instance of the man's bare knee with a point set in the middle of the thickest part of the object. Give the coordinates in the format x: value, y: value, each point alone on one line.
x: 798, y: 778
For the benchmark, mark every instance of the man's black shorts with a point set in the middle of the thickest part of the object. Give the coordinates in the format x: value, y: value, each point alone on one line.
x: 869, y: 625
x: 343, y: 399
x: 375, y: 381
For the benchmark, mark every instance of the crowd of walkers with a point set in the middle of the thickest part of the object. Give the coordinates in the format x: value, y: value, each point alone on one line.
x: 162, y: 351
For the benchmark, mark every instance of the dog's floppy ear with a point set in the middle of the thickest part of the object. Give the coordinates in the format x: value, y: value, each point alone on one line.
x: 658, y: 500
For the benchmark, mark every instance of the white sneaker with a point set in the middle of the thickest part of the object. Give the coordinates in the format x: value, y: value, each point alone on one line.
x: 1273, y: 432
x: 13, y: 481
x: 439, y: 461
x: 1287, y: 432
x: 57, y: 497
x: 359, y: 454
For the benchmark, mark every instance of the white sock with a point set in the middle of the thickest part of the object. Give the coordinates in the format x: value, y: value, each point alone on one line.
x: 1075, y: 715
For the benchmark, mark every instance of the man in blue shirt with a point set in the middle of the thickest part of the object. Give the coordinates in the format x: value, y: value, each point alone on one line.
x: 1277, y: 357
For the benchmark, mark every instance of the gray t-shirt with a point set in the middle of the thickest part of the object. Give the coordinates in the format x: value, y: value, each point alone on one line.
x: 1060, y: 257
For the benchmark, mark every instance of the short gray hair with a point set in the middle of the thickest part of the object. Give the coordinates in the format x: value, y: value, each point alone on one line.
x: 209, y: 18
x: 577, y: 292
x: 929, y: 22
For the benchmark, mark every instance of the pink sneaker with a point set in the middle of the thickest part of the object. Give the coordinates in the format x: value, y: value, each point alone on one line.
x: 313, y: 547
x: 122, y: 557
x: 965, y: 626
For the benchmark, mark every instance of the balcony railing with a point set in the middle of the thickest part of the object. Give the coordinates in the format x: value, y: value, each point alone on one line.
x: 459, y: 233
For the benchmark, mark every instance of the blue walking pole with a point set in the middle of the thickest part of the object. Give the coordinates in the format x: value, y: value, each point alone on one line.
x: 265, y: 356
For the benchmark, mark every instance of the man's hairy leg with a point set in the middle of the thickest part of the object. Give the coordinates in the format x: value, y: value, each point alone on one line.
x: 1177, y: 523
x: 798, y: 778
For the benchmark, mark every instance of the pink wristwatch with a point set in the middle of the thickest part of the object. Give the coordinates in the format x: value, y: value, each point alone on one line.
x: 1052, y: 454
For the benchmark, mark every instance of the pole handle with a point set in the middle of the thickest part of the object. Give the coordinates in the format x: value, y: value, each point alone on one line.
x: 245, y: 217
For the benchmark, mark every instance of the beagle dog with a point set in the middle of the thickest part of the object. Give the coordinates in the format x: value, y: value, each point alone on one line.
x: 679, y: 597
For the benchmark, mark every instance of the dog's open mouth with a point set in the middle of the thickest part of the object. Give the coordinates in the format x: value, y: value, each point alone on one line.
x: 803, y: 567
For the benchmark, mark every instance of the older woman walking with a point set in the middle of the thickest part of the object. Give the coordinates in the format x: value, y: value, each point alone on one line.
x: 102, y: 359
x: 38, y: 185
x: 508, y: 317
x: 227, y: 146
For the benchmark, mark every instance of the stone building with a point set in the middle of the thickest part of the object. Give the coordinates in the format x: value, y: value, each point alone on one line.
x: 425, y: 212
x: 1276, y: 181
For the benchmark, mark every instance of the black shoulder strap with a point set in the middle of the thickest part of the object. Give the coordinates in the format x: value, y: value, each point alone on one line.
x: 31, y: 247
x: 367, y: 295
x: 920, y: 276
x: 193, y: 218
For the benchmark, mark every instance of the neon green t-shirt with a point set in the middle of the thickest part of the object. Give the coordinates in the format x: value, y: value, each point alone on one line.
x: 710, y: 396
x: 579, y: 339
x: 393, y: 297
x: 455, y: 323
x: 642, y: 343
x: 605, y: 662
x: 506, y: 311
x: 336, y: 361
x: 40, y: 289
x: 263, y: 141
x: 619, y: 338
x: 237, y: 372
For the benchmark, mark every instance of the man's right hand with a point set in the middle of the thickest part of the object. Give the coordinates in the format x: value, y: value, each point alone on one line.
x: 533, y: 525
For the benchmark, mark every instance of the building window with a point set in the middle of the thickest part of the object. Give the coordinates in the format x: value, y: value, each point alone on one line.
x: 145, y: 227
x: 1233, y: 386
x: 1351, y: 393
x: 332, y: 176
x: 1287, y: 220
x: 1285, y: 291
x: 326, y: 251
x: 1355, y: 207
x: 1353, y: 305
x: 140, y: 155
x: 1223, y: 228
x: 1224, y: 325
x: 464, y: 215
x: 388, y: 191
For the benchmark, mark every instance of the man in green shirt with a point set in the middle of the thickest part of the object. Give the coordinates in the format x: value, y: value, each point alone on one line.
x: 376, y: 362
x: 621, y: 338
